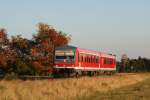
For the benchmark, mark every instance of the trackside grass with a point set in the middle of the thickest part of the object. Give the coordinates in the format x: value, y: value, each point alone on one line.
x: 139, y: 91
x: 116, y: 87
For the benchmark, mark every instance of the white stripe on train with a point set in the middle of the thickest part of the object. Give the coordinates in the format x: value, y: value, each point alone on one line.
x: 88, y: 68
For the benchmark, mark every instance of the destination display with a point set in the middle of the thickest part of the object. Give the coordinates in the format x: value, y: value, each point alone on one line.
x: 62, y: 53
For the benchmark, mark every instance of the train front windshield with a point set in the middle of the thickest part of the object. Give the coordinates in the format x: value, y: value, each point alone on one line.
x: 64, y: 56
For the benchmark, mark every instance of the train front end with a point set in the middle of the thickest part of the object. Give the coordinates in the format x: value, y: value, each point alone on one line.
x: 65, y: 59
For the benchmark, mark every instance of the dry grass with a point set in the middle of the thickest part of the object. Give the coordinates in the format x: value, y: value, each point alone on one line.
x: 138, y: 91
x: 65, y: 89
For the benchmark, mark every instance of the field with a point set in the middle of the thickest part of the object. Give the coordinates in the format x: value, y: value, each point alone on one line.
x: 116, y: 87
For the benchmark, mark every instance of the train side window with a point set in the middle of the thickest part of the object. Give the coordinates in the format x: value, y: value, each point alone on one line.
x: 94, y: 59
x: 105, y: 61
x: 114, y: 61
x: 88, y: 59
x: 97, y: 59
x: 108, y: 61
x: 81, y: 58
x: 85, y: 58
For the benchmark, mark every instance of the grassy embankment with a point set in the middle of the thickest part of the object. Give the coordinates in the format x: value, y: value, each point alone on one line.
x: 138, y: 91
x: 116, y: 87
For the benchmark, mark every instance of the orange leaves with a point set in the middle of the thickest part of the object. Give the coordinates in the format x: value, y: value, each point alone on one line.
x: 3, y: 36
x: 47, y: 39
x: 37, y: 65
x: 38, y: 52
x: 50, y: 36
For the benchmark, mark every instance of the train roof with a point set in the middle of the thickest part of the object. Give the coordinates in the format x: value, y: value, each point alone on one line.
x: 66, y: 47
x: 70, y: 47
x: 88, y: 51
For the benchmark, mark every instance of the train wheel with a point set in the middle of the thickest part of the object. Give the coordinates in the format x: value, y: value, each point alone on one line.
x: 78, y: 74
x: 91, y: 73
x: 94, y: 74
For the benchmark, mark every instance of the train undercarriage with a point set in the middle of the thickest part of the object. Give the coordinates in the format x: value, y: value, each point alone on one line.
x: 65, y: 72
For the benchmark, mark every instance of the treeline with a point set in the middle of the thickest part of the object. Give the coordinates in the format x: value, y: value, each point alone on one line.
x: 133, y: 65
x: 21, y: 56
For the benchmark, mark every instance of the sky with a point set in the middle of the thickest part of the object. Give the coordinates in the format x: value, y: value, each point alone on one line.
x: 111, y: 26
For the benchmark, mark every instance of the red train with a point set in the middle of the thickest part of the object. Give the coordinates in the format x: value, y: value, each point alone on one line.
x: 77, y: 61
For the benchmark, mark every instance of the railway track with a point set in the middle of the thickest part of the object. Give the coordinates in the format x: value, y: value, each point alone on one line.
x: 29, y: 77
x: 26, y: 77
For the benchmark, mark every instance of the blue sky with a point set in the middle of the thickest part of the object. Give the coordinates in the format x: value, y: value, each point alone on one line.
x: 116, y: 26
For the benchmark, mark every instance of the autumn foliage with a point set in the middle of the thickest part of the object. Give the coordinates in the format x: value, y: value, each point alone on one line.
x: 23, y: 56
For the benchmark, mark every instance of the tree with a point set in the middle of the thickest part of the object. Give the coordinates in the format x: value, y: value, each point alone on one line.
x: 140, y: 64
x: 21, y: 44
x: 6, y: 53
x: 23, y: 62
x: 46, y: 40
x: 24, y: 56
x: 3, y: 37
x: 124, y: 62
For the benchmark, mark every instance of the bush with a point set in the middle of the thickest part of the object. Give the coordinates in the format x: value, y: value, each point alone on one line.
x: 10, y: 76
x: 23, y: 67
